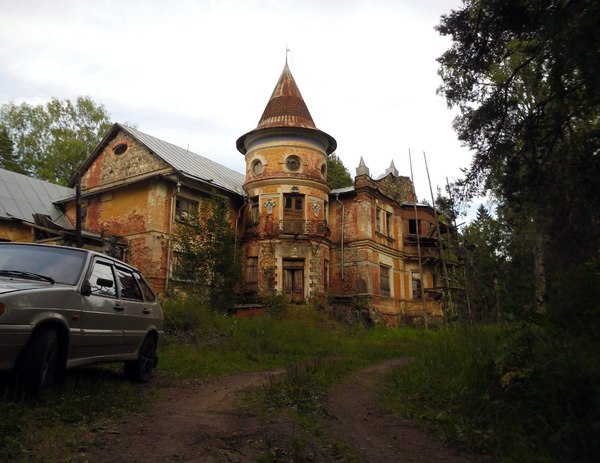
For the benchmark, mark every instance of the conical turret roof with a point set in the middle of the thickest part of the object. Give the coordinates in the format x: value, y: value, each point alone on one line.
x: 286, y: 107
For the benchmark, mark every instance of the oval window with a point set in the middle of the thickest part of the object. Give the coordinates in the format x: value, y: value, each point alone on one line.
x: 120, y: 149
x: 257, y: 167
x: 292, y: 163
x: 324, y: 171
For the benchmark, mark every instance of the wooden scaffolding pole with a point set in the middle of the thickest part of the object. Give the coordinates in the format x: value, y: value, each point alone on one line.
x: 421, y: 276
x: 447, y: 293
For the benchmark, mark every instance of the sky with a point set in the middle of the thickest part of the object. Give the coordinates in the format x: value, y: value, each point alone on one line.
x: 199, y: 74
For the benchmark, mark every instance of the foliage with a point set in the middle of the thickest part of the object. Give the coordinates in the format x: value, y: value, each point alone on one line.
x: 486, y: 263
x: 524, y: 77
x: 51, y: 141
x: 522, y: 394
x: 338, y: 175
x: 206, y: 248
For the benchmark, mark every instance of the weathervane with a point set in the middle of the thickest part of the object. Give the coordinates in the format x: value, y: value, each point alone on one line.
x: 287, y: 50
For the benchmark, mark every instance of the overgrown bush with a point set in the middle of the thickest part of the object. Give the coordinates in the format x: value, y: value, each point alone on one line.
x: 522, y: 393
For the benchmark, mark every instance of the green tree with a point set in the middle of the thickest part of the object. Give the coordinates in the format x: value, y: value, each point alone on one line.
x: 206, y: 249
x: 51, y: 141
x: 338, y: 175
x: 8, y: 160
x: 524, y: 76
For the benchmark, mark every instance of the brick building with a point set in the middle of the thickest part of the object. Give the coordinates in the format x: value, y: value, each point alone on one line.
x: 370, y: 242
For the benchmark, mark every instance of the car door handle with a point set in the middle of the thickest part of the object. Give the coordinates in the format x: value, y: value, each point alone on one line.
x: 119, y: 308
x: 146, y: 311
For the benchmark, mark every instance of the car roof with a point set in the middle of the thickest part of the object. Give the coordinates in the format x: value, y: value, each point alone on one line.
x: 90, y: 252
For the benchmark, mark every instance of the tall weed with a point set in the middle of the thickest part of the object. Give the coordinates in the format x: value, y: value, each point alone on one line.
x: 519, y: 393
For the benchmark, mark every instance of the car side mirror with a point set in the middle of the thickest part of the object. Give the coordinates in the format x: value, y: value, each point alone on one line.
x: 86, y: 288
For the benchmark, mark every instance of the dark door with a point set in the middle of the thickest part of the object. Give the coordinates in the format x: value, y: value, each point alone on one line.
x: 293, y: 279
x: 293, y: 213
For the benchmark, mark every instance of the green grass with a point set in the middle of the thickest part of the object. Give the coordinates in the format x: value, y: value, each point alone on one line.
x: 67, y: 421
x: 522, y: 393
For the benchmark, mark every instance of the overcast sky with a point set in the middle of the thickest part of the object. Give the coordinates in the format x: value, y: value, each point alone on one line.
x: 198, y: 74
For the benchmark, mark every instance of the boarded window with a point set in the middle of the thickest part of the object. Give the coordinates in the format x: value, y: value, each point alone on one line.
x: 186, y: 210
x: 384, y: 280
x: 252, y: 274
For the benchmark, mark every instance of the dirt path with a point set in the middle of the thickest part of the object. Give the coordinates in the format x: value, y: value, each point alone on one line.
x: 205, y: 423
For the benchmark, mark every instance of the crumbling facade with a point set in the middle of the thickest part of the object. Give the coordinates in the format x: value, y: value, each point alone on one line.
x: 369, y: 244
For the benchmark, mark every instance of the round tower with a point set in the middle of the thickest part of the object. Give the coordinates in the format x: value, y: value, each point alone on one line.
x: 286, y: 240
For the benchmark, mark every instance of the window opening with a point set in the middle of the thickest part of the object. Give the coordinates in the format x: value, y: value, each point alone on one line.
x: 384, y: 280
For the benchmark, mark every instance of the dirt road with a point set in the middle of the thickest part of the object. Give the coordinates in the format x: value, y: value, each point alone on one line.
x: 207, y: 423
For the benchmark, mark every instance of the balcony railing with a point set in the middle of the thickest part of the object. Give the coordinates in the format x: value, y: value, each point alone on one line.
x: 292, y: 227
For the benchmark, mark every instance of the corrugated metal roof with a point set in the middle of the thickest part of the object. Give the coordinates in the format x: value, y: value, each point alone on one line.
x: 191, y: 164
x: 22, y: 196
x: 339, y: 191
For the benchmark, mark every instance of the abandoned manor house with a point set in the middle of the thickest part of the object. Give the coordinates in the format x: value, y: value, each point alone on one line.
x: 370, y: 242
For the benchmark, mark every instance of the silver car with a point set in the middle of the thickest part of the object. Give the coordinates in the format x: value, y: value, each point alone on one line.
x: 63, y: 307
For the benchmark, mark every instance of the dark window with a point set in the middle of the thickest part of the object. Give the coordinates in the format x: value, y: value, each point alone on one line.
x: 326, y: 276
x: 103, y: 280
x: 384, y: 280
x: 293, y: 163
x: 129, y: 287
x: 413, y: 226
x: 146, y: 290
x: 378, y: 220
x: 120, y: 149
x: 416, y: 285
x: 388, y: 223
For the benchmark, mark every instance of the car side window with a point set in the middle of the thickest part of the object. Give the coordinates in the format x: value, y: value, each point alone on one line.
x: 102, y: 280
x: 148, y: 293
x: 129, y: 287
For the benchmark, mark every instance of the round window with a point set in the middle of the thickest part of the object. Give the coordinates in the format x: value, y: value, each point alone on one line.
x: 324, y: 171
x: 257, y: 167
x: 292, y: 163
x: 120, y: 149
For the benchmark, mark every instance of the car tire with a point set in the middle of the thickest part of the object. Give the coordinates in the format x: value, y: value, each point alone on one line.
x: 140, y: 370
x: 37, y: 366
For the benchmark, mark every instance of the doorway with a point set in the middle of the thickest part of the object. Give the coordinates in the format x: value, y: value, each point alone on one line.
x: 293, y: 279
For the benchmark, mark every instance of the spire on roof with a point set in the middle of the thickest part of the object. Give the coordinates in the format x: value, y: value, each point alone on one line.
x: 286, y: 107
x: 362, y: 169
x: 392, y: 170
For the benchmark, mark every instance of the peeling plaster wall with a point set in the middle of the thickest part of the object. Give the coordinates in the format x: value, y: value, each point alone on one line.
x: 12, y: 231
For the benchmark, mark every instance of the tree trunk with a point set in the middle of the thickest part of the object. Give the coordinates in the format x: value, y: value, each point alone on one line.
x: 539, y: 269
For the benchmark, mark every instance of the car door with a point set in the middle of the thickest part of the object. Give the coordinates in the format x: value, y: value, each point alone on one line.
x: 139, y: 314
x: 102, y: 314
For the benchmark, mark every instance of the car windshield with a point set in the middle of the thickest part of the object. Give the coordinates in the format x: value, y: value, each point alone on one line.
x: 63, y: 265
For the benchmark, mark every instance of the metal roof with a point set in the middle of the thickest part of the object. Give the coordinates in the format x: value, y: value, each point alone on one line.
x: 191, y: 164
x: 340, y: 191
x: 22, y: 196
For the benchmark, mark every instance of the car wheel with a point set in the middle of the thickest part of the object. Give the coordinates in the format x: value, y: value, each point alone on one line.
x: 140, y: 370
x: 36, y: 369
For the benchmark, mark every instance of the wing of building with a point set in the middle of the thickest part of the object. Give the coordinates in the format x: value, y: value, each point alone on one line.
x: 369, y: 245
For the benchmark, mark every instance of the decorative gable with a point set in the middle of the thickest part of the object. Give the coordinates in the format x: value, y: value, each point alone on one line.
x: 121, y: 158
